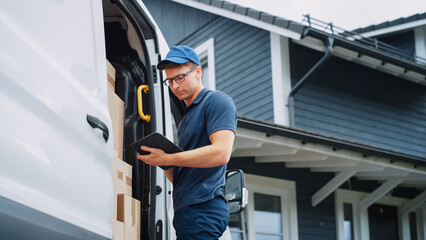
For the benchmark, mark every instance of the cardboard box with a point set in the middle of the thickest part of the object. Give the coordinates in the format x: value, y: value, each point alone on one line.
x: 117, y: 229
x: 122, y: 177
x: 110, y: 74
x: 128, y: 211
x: 116, y: 111
x: 121, y: 174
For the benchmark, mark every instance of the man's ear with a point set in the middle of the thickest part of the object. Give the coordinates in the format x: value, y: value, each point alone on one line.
x: 199, y: 72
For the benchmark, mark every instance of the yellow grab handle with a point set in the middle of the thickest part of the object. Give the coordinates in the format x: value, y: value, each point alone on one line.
x: 144, y: 117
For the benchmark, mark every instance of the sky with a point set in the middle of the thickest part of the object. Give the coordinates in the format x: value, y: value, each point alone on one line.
x: 347, y: 14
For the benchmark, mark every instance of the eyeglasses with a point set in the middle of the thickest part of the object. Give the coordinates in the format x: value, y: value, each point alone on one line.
x: 178, y: 79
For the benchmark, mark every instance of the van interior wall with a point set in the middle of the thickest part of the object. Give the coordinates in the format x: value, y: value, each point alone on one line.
x: 131, y: 72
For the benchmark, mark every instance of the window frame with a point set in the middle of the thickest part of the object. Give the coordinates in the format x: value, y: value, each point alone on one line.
x: 243, y: 230
x: 206, y: 50
x: 361, y: 222
x: 286, y: 190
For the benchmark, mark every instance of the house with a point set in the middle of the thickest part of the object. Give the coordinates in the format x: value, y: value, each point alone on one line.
x: 332, y: 123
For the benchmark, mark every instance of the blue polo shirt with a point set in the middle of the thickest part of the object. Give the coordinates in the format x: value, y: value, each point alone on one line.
x: 209, y: 112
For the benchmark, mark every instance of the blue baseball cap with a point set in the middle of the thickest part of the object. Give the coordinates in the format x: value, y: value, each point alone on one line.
x: 180, y: 55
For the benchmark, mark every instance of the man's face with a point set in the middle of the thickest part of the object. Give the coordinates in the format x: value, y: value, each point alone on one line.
x: 184, y: 91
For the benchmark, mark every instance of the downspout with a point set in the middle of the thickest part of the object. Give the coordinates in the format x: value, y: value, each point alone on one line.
x: 328, y: 52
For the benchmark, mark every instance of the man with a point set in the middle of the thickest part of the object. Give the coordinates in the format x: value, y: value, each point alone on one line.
x: 206, y: 133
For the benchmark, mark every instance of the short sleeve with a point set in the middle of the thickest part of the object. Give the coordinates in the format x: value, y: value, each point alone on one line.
x: 220, y: 113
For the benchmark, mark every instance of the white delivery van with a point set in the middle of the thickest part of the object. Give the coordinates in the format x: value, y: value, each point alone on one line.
x: 56, y: 137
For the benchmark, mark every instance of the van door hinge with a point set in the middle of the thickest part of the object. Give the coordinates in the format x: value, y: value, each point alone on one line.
x: 154, y: 73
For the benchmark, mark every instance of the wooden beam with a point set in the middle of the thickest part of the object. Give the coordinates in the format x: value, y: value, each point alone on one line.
x: 362, y: 167
x: 289, y: 158
x: 415, y: 177
x: 332, y: 185
x: 262, y: 152
x: 269, y: 159
x: 306, y: 156
x: 321, y: 164
x: 266, y: 149
x: 246, y: 143
x: 414, y: 203
x: 379, y: 192
x: 388, y: 172
x: 413, y: 184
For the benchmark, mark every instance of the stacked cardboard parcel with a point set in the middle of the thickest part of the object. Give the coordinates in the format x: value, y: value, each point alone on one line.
x: 126, y: 217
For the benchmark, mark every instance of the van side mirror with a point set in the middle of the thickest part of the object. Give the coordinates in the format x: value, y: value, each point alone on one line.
x: 235, y: 191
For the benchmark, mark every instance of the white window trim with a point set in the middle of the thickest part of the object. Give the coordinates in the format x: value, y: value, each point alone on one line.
x: 420, y: 42
x: 281, y: 78
x: 207, y: 49
x: 278, y: 187
x: 360, y: 217
x: 243, y: 230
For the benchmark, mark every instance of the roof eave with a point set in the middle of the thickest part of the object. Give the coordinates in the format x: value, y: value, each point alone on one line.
x: 309, y: 137
x: 392, y: 29
x: 387, y: 58
x: 295, y: 148
x: 245, y: 15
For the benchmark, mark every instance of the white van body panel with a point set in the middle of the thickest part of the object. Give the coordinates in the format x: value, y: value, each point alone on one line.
x: 52, y: 74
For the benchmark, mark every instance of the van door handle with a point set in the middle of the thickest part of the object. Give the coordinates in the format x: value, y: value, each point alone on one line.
x: 94, y: 122
x: 145, y: 117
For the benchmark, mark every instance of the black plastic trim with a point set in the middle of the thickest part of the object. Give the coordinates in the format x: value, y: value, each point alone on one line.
x: 94, y: 122
x: 18, y: 221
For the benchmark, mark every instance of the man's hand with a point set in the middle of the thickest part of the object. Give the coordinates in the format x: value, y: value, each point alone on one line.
x: 157, y: 157
x: 213, y: 155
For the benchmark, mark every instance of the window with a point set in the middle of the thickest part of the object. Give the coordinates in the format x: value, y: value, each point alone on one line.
x: 237, y: 226
x: 268, y: 217
x: 271, y: 213
x: 205, y: 52
x: 381, y: 220
x: 348, y: 224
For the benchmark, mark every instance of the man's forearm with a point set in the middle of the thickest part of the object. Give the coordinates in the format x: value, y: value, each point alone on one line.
x: 204, y: 157
x: 216, y: 154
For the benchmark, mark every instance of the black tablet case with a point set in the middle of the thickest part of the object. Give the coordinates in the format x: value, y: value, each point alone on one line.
x: 156, y: 140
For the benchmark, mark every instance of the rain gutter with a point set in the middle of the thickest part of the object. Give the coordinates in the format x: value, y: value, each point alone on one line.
x: 328, y: 42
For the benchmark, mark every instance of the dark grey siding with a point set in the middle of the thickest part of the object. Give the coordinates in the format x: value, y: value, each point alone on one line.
x: 175, y: 20
x: 404, y: 41
x: 357, y: 103
x: 243, y: 64
x: 242, y: 53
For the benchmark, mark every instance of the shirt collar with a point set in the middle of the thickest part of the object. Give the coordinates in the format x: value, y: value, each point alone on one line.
x: 200, y: 96
x: 197, y: 99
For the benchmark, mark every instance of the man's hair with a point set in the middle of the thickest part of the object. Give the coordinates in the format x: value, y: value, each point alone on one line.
x: 170, y: 65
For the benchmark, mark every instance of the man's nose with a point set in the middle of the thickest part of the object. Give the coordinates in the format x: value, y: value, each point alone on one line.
x: 175, y: 85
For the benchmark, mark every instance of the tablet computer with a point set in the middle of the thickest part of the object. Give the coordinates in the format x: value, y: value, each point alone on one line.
x: 156, y: 140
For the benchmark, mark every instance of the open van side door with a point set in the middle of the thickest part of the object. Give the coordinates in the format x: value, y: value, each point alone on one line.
x: 56, y: 135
